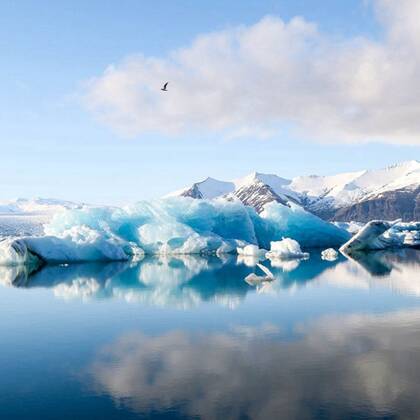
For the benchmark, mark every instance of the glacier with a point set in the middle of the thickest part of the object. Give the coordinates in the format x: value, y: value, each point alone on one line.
x: 174, y: 225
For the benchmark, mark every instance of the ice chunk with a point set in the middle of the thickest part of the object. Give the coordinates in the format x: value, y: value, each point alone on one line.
x: 265, y: 270
x: 15, y: 252
x: 251, y: 251
x: 67, y: 249
x: 406, y: 234
x: 370, y: 237
x: 287, y: 248
x: 253, y: 279
x: 329, y: 254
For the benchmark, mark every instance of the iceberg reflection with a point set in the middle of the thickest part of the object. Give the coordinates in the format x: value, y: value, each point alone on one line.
x: 188, y: 281
x: 397, y: 271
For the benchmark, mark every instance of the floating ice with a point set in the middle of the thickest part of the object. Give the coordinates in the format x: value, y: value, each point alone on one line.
x: 251, y: 251
x: 405, y: 234
x: 329, y: 254
x: 370, y: 237
x: 286, y: 249
x: 15, y: 252
x: 169, y: 226
x: 253, y: 279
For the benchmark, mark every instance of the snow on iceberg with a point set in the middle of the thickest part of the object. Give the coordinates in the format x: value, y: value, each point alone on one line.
x: 175, y: 225
x: 286, y: 249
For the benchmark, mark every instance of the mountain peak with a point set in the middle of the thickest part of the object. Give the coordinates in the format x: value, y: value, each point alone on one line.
x: 322, y: 195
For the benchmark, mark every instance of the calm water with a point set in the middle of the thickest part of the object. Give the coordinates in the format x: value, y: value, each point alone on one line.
x: 189, y: 338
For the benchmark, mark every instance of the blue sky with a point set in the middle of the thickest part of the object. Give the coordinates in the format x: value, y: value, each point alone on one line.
x: 52, y: 145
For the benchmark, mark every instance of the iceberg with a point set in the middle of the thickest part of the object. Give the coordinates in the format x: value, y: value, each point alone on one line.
x: 277, y: 221
x: 251, y: 251
x: 286, y: 249
x: 370, y: 237
x: 14, y: 252
x: 92, y: 247
x: 329, y: 254
x: 177, y: 225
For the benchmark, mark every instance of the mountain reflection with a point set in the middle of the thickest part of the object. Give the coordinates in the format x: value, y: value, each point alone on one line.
x: 188, y: 281
x: 358, y: 366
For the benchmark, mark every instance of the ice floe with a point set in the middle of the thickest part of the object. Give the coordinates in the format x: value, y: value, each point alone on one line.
x: 329, y: 254
x: 287, y: 248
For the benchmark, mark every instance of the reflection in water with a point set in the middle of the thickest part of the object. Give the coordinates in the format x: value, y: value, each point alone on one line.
x: 187, y: 281
x: 345, y: 367
x: 398, y: 271
x: 306, y: 354
x: 182, y: 281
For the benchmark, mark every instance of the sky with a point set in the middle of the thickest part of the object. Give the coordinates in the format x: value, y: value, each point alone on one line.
x: 290, y: 87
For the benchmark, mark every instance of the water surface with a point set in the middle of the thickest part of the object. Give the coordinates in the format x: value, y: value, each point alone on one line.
x: 187, y: 337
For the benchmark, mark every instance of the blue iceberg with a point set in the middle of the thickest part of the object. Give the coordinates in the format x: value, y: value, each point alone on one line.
x: 169, y: 226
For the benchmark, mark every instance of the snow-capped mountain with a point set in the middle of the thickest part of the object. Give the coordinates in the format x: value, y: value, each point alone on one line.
x: 391, y: 192
x: 208, y: 189
x: 254, y: 190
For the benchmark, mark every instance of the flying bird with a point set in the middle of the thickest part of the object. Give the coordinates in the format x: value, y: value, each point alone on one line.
x: 165, y: 87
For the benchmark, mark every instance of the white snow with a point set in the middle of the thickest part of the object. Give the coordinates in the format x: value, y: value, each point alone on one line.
x: 323, y: 191
x: 279, y: 185
x: 209, y: 188
x: 347, y: 188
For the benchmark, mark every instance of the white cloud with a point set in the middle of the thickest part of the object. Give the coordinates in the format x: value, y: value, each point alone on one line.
x: 255, y: 80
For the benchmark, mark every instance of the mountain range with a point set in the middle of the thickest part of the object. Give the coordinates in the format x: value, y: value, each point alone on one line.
x: 387, y: 193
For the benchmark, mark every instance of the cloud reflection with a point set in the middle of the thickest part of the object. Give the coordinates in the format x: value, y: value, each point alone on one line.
x: 358, y: 365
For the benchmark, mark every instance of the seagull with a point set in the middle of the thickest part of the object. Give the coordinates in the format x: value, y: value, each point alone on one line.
x: 164, y: 87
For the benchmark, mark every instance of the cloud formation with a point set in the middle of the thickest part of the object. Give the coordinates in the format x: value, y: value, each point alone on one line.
x: 258, y: 80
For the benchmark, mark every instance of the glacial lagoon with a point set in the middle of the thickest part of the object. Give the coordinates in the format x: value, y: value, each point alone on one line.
x: 188, y: 337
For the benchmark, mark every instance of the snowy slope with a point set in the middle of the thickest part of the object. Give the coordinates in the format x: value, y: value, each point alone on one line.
x: 348, y: 188
x: 208, y: 189
x: 255, y: 189
x: 280, y: 186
